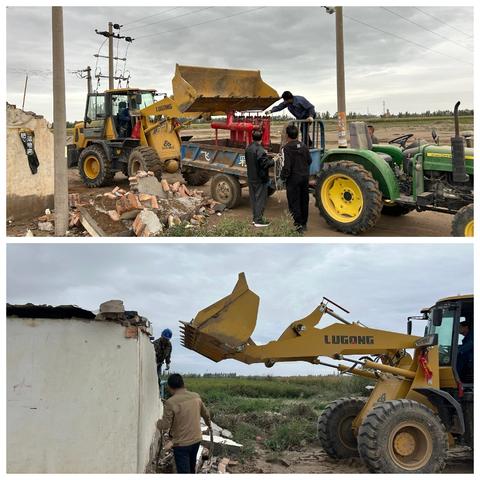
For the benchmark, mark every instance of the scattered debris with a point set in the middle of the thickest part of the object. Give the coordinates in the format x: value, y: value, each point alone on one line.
x: 45, y: 226
x: 147, y: 224
x: 147, y: 209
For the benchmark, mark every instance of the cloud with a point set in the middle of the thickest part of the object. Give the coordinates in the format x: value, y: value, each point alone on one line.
x: 380, y: 284
x: 293, y: 47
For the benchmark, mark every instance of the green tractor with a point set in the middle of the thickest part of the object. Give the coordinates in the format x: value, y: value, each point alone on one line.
x: 356, y: 185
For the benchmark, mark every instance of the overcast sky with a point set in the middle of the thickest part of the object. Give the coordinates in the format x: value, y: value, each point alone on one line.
x: 380, y: 284
x: 293, y: 47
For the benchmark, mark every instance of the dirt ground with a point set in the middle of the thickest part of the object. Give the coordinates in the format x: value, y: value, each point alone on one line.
x: 314, y: 460
x: 415, y: 224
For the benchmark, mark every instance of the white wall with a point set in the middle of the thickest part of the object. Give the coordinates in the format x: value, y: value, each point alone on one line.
x: 28, y: 194
x: 81, y: 398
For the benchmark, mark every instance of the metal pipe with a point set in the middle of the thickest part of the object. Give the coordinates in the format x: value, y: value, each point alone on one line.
x: 455, y: 116
x: 338, y: 317
x: 357, y: 371
x: 389, y: 369
x: 24, y: 91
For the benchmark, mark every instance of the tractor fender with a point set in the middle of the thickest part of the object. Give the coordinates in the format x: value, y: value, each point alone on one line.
x: 392, y: 150
x: 445, y: 404
x: 372, y: 162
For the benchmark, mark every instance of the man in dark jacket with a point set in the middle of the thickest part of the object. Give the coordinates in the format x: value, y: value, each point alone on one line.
x: 163, y: 350
x: 295, y: 172
x: 124, y: 120
x: 465, y: 353
x: 258, y: 164
x: 300, y: 108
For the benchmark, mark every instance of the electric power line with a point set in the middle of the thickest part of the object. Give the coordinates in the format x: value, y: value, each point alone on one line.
x: 171, y: 18
x: 442, y: 21
x: 202, y: 23
x: 150, y: 16
x: 425, y: 28
x: 406, y: 40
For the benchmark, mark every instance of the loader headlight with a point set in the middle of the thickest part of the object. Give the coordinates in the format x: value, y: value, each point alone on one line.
x: 427, y: 340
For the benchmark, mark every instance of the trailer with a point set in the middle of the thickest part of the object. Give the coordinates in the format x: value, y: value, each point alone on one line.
x: 225, y: 166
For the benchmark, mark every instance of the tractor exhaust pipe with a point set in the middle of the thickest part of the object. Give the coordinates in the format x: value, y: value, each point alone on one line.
x: 458, y: 152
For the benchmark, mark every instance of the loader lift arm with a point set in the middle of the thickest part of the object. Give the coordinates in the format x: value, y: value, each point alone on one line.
x: 223, y: 330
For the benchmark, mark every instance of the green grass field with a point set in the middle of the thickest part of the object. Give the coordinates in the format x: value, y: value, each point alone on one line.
x: 277, y: 413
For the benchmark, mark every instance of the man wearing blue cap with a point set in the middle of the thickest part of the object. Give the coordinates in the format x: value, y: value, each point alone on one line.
x: 163, y: 350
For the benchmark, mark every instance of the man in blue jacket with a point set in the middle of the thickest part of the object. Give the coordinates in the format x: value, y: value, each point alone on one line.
x: 300, y: 108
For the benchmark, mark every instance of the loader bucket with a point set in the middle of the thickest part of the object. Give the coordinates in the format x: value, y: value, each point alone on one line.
x: 220, y: 90
x: 223, y: 327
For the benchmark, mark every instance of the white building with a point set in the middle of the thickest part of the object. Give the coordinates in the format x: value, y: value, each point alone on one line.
x: 82, y: 390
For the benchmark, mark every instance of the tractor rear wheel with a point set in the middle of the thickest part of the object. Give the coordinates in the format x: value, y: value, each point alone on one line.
x: 226, y: 189
x: 196, y: 176
x: 462, y: 224
x: 94, y: 167
x: 348, y: 197
x: 396, y: 210
x: 402, y: 436
x: 146, y: 159
x: 334, y: 427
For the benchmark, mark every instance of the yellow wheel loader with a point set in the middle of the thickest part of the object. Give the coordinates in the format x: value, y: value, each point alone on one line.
x: 422, y: 400
x: 125, y: 130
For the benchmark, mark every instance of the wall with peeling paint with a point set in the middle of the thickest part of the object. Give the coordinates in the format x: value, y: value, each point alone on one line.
x: 81, y: 397
x: 28, y: 194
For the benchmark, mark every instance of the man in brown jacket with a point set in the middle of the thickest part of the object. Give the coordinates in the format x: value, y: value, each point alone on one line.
x: 181, y: 420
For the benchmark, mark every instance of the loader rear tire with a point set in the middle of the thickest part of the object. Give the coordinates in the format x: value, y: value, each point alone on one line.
x: 226, y: 189
x: 334, y: 427
x: 94, y: 167
x: 462, y: 224
x: 402, y: 436
x: 348, y: 197
x: 196, y: 176
x: 146, y: 159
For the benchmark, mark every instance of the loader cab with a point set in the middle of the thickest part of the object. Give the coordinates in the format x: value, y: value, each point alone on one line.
x: 124, y: 107
x: 444, y: 320
x: 106, y: 113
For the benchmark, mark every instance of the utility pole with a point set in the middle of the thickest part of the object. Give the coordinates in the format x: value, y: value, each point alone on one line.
x: 59, y: 124
x: 89, y: 79
x: 110, y: 56
x: 24, y: 91
x: 110, y: 36
x: 341, y: 108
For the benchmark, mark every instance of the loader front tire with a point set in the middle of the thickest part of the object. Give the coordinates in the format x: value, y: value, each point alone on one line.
x: 462, y: 224
x: 196, y: 176
x: 334, y: 427
x: 402, y: 436
x: 348, y: 197
x: 94, y: 167
x: 146, y: 159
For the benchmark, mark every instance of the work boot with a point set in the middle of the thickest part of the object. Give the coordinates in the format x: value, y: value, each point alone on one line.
x: 261, y: 223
